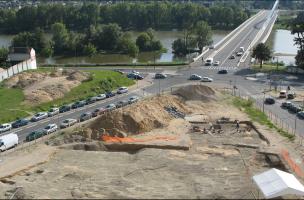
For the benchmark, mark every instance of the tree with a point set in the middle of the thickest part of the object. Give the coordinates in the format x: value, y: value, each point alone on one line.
x: 127, y: 46
x: 203, y: 34
x: 108, y: 36
x: 3, y: 56
x: 262, y: 53
x: 89, y: 50
x: 297, y: 28
x: 179, y: 47
x: 60, y: 37
x: 143, y: 41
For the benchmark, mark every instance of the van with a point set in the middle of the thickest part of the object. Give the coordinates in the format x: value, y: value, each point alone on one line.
x: 8, y: 141
x: 209, y: 61
x: 283, y: 94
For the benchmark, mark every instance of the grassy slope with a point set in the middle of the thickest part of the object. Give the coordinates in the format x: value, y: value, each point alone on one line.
x: 102, y: 80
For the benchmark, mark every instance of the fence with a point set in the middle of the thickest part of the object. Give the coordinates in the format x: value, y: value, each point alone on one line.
x: 20, y: 67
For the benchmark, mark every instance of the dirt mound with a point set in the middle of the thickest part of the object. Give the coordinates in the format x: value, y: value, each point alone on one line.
x: 196, y: 92
x: 25, y: 79
x: 140, y: 117
x: 78, y: 76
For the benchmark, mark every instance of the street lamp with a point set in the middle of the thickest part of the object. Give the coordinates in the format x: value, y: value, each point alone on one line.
x: 276, y: 57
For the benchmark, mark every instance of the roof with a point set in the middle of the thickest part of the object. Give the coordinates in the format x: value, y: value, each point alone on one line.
x: 274, y: 183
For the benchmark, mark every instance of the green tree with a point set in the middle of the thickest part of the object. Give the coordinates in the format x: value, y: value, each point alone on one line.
x: 108, y: 36
x: 297, y: 28
x: 3, y: 56
x: 89, y: 50
x: 143, y: 41
x: 179, y: 47
x: 203, y: 34
x: 60, y: 37
x: 23, y: 39
x: 127, y: 46
x: 262, y: 53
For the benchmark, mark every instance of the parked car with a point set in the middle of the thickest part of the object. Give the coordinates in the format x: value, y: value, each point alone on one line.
x: 300, y: 114
x: 20, y: 122
x: 8, y: 141
x: 39, y: 116
x: 78, y: 104
x: 286, y: 104
x: 85, y: 116
x: 206, y: 79
x: 216, y: 63
x: 98, y: 111
x: 101, y: 97
x: 122, y: 90
x: 67, y: 123
x: 90, y: 100
x: 110, y: 94
x: 295, y: 109
x: 119, y: 71
x: 232, y: 57
x: 269, y: 100
x: 135, y: 76
x: 133, y: 99
x: 283, y: 94
x: 223, y: 71
x: 134, y: 72
x: 211, y: 47
x: 195, y: 77
x: 110, y: 107
x: 5, y: 127
x: 34, y: 135
x: 291, y: 95
x: 239, y: 53
x: 122, y: 103
x: 65, y: 108
x: 53, y: 111
x: 160, y: 76
x: 51, y: 128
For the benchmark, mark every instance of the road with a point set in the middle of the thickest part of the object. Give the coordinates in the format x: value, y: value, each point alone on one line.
x: 236, y: 76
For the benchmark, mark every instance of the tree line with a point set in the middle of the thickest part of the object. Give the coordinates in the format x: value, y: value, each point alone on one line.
x: 135, y: 16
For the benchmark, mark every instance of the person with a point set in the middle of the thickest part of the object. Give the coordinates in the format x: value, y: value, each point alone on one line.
x: 237, y: 125
x: 288, y: 87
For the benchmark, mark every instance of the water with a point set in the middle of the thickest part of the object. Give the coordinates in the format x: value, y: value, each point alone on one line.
x: 283, y: 43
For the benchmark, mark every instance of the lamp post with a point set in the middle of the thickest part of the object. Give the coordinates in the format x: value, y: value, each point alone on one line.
x: 276, y: 57
x: 263, y: 100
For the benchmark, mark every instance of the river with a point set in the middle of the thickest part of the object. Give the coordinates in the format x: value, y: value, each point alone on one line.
x: 281, y: 41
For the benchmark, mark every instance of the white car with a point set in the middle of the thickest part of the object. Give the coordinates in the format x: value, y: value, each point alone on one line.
x: 39, y: 116
x: 216, y: 63
x: 53, y: 111
x: 133, y: 99
x: 5, y: 127
x: 101, y: 97
x: 67, y: 123
x: 207, y: 79
x: 135, y: 72
x: 50, y: 128
x: 239, y: 53
x: 122, y: 90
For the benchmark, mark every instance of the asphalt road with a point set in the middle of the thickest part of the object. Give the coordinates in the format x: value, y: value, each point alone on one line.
x: 236, y: 76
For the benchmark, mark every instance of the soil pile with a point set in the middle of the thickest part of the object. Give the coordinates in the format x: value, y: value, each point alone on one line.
x: 196, y: 92
x: 140, y: 117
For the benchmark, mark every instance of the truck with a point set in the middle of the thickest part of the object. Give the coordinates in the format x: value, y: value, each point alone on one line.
x: 8, y: 141
x: 209, y: 61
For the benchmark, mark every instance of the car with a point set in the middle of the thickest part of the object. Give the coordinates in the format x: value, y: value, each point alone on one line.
x: 291, y: 95
x: 286, y: 104
x: 119, y: 71
x: 110, y: 94
x: 85, y: 116
x: 291, y: 107
x: 122, y: 90
x: 5, y: 127
x: 110, y: 107
x: 39, y: 116
x: 269, y: 100
x: 208, y: 61
x: 232, y: 57
x: 223, y: 71
x: 239, y: 53
x: 300, y: 114
x: 134, y: 72
x: 65, y: 108
x: 121, y: 104
x: 295, y: 109
x: 135, y: 76
x: 90, y: 100
x: 51, y: 128
x: 101, y: 97
x: 206, y: 79
x: 133, y: 99
x: 283, y: 94
x: 53, y: 111
x: 195, y: 77
x: 20, y: 122
x: 211, y: 47
x: 78, y: 104
x: 98, y: 111
x: 216, y: 63
x: 34, y: 135
x: 68, y: 122
x: 160, y: 76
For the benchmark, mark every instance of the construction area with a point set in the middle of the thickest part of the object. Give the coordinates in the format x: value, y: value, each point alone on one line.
x: 192, y: 143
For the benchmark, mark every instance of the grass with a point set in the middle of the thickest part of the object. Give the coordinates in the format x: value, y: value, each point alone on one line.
x: 11, y: 106
x: 268, y: 68
x: 258, y: 116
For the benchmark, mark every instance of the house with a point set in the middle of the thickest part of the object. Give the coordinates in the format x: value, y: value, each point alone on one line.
x: 20, y: 54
